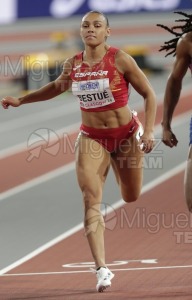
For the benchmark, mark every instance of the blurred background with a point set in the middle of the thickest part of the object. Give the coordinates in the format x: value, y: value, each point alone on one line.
x: 36, y: 36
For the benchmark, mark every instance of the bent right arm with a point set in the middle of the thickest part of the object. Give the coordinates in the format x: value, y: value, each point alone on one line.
x: 49, y: 91
x: 173, y: 88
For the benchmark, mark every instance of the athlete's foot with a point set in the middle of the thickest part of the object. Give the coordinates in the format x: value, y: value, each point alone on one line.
x: 104, y: 276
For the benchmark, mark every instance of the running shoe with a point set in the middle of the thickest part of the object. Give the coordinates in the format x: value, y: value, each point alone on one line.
x: 104, y: 276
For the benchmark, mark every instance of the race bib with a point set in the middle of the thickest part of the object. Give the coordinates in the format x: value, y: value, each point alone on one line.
x: 93, y: 93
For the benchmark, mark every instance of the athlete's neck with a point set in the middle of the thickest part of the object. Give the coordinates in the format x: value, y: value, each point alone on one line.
x: 96, y: 54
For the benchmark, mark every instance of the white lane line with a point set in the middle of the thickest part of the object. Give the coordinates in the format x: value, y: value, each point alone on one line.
x: 51, y: 114
x: 88, y: 271
x: 178, y: 120
x: 59, y: 172
x: 150, y: 185
x: 23, y: 146
x: 62, y: 170
x: 38, y: 180
x: 42, y: 248
x: 40, y: 116
x: 75, y: 229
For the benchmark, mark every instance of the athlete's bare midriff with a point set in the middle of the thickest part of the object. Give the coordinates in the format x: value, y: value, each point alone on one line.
x: 107, y: 119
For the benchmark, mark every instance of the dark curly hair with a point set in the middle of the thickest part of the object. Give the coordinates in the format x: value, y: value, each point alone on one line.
x: 180, y: 30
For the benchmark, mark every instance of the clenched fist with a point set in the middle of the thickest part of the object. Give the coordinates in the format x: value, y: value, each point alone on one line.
x: 7, y: 101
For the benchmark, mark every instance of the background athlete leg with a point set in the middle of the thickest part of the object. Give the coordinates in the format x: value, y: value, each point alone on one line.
x: 188, y: 180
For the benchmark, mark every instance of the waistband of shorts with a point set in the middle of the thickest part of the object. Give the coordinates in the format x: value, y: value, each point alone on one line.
x: 98, y: 132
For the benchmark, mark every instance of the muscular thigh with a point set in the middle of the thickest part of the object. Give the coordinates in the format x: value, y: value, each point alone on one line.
x: 127, y: 163
x: 92, y: 163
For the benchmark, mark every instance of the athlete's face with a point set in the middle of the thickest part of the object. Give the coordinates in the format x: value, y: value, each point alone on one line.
x: 94, y: 30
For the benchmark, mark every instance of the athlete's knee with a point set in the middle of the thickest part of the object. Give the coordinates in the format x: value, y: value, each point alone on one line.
x: 130, y: 197
x: 91, y: 196
x: 189, y: 207
x: 189, y: 202
x: 92, y: 200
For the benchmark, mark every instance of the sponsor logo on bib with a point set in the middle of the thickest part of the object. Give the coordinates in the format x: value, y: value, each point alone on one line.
x: 93, y: 93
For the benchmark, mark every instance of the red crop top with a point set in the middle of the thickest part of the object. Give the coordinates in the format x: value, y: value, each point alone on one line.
x: 100, y: 87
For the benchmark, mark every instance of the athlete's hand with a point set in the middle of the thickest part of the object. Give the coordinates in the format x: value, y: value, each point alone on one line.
x: 168, y: 138
x: 10, y: 101
x: 147, y: 142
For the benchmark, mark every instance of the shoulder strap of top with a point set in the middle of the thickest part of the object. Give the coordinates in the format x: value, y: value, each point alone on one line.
x: 113, y: 50
x: 78, y: 58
